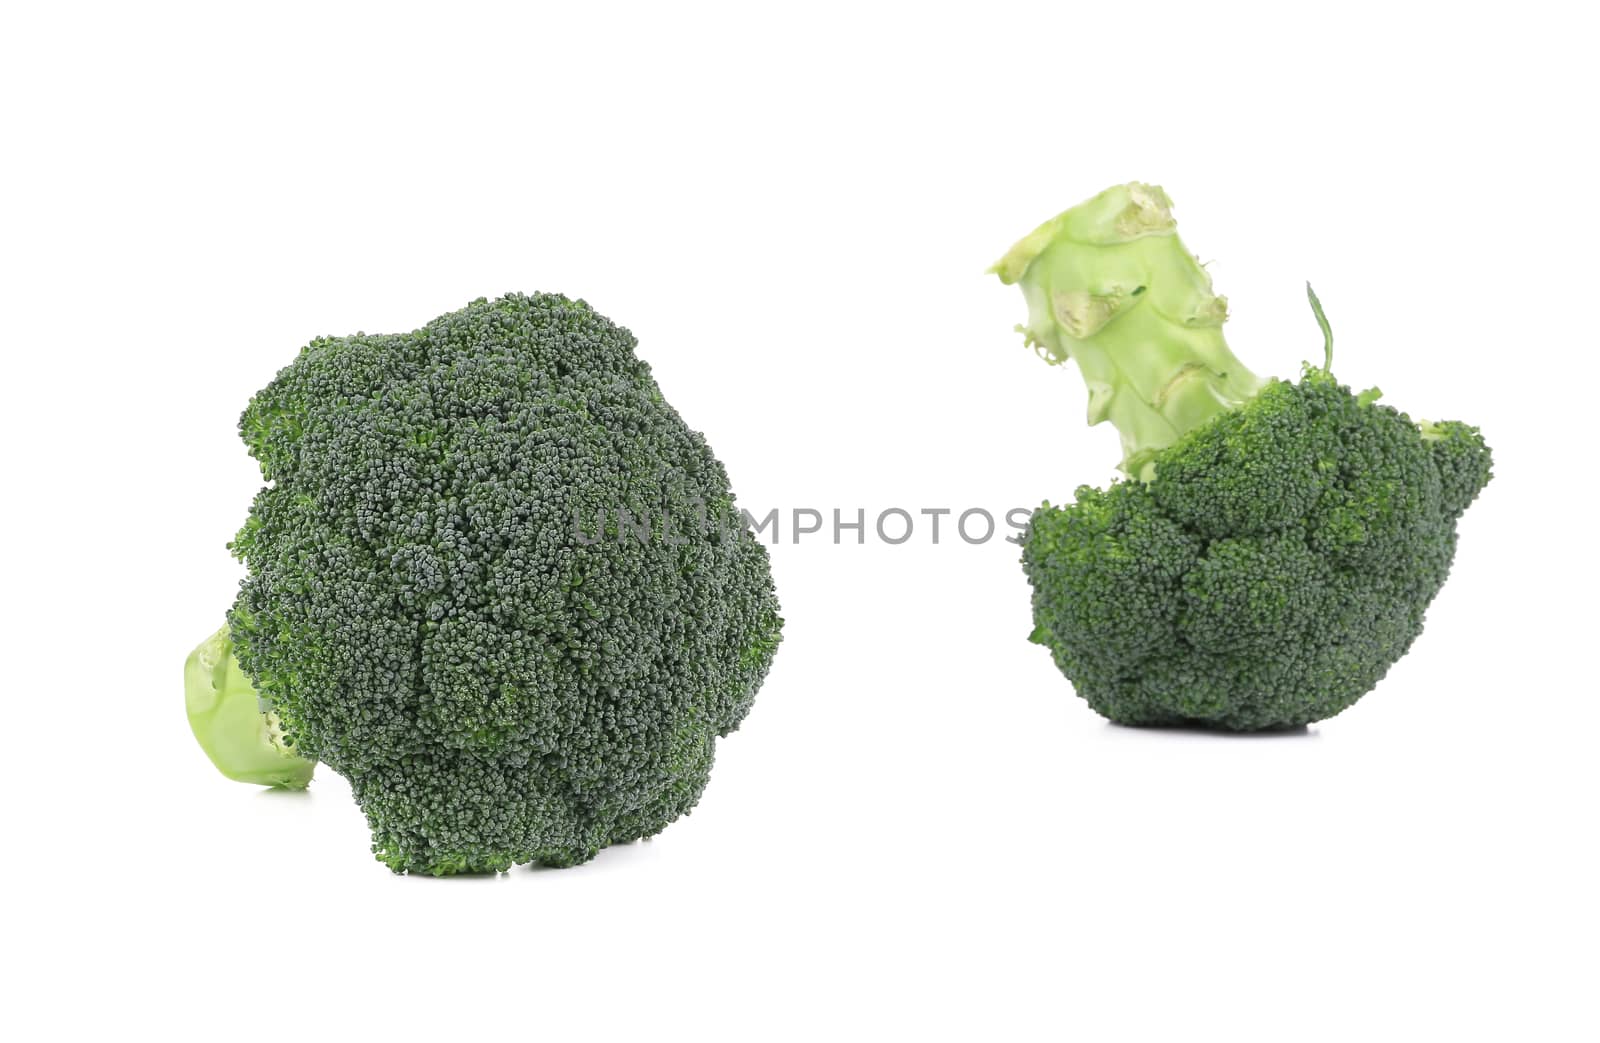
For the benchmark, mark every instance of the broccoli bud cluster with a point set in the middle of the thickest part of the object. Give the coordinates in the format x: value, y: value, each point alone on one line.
x: 424, y: 617
x: 1276, y: 566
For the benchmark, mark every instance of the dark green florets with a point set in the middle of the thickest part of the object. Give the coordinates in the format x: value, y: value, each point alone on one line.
x: 440, y: 606
x: 1275, y: 568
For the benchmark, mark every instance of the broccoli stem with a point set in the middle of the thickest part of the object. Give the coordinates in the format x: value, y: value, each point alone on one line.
x: 242, y: 737
x: 1110, y: 286
x: 1322, y: 323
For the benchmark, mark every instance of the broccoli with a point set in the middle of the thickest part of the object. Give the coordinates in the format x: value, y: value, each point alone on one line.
x: 1273, y: 546
x: 443, y: 606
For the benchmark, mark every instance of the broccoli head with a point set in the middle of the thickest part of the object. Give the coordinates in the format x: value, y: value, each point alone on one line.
x: 1274, y: 546
x: 443, y: 606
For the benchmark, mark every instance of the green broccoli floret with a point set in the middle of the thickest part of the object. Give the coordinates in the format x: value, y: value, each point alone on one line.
x: 441, y: 605
x: 1275, y: 544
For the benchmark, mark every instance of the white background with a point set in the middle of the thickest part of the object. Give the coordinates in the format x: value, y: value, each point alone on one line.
x: 920, y: 832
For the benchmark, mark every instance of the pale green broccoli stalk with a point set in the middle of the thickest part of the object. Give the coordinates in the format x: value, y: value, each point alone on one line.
x: 240, y: 733
x: 1279, y: 543
x: 1110, y: 286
